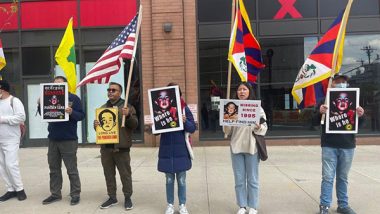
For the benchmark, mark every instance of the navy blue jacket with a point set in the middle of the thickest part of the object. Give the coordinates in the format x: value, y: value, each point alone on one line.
x: 173, y: 156
x: 60, y: 131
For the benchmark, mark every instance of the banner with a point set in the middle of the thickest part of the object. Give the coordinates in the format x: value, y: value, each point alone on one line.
x: 108, y: 130
x: 54, y: 100
x: 341, y: 113
x: 165, y: 109
x: 239, y: 112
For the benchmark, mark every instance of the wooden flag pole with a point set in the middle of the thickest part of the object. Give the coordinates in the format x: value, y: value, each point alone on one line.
x: 132, y: 63
x: 339, y: 40
x: 233, y: 10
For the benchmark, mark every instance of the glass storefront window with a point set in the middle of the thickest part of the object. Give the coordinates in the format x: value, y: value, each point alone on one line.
x: 220, y: 10
x: 36, y: 61
x: 330, y: 8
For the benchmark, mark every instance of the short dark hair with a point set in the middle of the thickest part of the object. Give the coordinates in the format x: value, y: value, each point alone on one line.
x: 61, y: 77
x: 106, y: 111
x: 176, y: 84
x: 251, y: 96
x: 115, y: 83
x: 339, y: 76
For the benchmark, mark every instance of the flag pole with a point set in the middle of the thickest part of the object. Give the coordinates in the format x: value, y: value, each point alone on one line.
x: 339, y: 40
x: 132, y: 63
x: 233, y: 10
x: 229, y: 62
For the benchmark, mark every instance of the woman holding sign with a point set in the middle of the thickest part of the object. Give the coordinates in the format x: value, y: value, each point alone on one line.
x: 245, y: 160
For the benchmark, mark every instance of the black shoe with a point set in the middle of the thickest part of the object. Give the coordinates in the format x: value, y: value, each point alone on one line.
x: 74, y: 200
x: 8, y: 195
x: 128, y: 203
x: 21, y: 195
x: 109, y: 203
x: 51, y: 199
x: 345, y: 210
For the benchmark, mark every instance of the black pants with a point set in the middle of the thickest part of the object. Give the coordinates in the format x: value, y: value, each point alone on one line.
x: 66, y: 151
x: 121, y: 160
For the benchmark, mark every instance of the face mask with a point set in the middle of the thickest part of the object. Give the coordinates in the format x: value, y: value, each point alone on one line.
x: 341, y: 85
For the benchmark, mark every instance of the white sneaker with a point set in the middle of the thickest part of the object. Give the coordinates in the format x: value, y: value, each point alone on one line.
x: 182, y: 209
x: 169, y: 209
x: 242, y: 211
x: 252, y: 211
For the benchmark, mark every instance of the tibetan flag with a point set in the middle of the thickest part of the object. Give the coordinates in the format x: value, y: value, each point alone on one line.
x: 324, y: 61
x: 65, y: 57
x: 244, y: 51
x: 2, y: 57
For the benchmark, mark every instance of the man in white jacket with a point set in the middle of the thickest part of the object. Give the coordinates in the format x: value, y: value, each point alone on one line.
x: 12, y: 114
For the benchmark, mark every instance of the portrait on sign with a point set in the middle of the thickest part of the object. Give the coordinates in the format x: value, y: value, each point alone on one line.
x: 108, y: 130
x: 165, y: 109
x: 341, y: 113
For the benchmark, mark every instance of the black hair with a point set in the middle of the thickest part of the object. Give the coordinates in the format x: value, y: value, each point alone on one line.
x: 115, y: 83
x: 61, y: 77
x: 251, y: 95
x: 176, y: 84
x: 106, y: 111
x: 226, y: 107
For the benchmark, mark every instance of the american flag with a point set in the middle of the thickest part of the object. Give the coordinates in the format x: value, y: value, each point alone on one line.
x: 109, y: 63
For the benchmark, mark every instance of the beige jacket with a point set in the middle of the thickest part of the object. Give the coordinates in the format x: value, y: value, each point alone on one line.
x: 242, y: 139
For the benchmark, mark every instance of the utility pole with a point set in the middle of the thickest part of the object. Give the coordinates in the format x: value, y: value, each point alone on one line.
x: 369, y: 50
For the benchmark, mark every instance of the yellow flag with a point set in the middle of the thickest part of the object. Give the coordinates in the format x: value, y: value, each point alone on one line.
x: 65, y: 56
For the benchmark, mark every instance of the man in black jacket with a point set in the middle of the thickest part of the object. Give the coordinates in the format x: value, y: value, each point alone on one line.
x: 337, y: 155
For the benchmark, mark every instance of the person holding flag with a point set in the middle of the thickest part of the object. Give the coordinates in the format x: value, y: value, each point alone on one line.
x: 310, y: 87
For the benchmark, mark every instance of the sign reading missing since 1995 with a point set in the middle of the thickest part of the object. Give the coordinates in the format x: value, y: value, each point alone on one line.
x: 239, y: 112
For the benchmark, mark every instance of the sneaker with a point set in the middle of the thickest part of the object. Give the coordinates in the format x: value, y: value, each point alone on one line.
x: 51, y: 199
x: 345, y: 210
x: 8, y: 195
x: 21, y: 195
x: 169, y: 209
x: 252, y: 211
x: 242, y: 210
x: 323, y: 209
x: 182, y: 209
x: 128, y: 203
x: 109, y: 203
x: 74, y: 200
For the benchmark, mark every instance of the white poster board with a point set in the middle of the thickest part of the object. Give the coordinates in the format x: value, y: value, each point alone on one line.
x: 239, y: 112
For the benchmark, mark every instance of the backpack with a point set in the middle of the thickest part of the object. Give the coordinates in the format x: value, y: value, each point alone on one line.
x: 22, y: 125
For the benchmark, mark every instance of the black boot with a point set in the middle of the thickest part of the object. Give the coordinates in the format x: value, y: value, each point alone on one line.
x: 21, y: 195
x: 8, y: 195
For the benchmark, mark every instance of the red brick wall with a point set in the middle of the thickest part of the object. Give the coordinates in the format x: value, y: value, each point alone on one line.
x: 169, y: 57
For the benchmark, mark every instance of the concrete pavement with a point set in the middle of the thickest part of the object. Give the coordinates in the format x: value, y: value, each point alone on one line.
x: 289, y: 182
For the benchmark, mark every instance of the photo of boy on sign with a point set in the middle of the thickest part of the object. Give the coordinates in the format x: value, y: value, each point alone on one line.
x: 341, y: 115
x: 108, y: 130
x: 231, y: 111
x: 165, y: 110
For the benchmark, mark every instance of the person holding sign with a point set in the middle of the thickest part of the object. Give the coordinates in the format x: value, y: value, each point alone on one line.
x: 117, y: 155
x: 245, y: 160
x: 337, y: 155
x: 174, y: 158
x: 63, y: 145
x: 12, y: 114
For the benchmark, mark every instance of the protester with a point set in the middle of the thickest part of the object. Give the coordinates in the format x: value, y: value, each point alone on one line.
x: 174, y: 159
x: 63, y: 145
x: 12, y: 115
x: 337, y: 155
x: 245, y: 160
x: 118, y: 155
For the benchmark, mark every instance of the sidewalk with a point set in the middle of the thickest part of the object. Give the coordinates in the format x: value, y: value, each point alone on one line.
x: 290, y: 182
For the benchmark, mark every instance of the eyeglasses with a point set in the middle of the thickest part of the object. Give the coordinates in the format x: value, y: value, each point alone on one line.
x: 112, y: 90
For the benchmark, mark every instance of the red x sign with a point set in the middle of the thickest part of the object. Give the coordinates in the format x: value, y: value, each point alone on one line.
x: 287, y: 6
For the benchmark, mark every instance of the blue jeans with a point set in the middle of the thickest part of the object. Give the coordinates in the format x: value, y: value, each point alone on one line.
x: 246, y: 172
x: 335, y: 162
x: 181, y: 180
